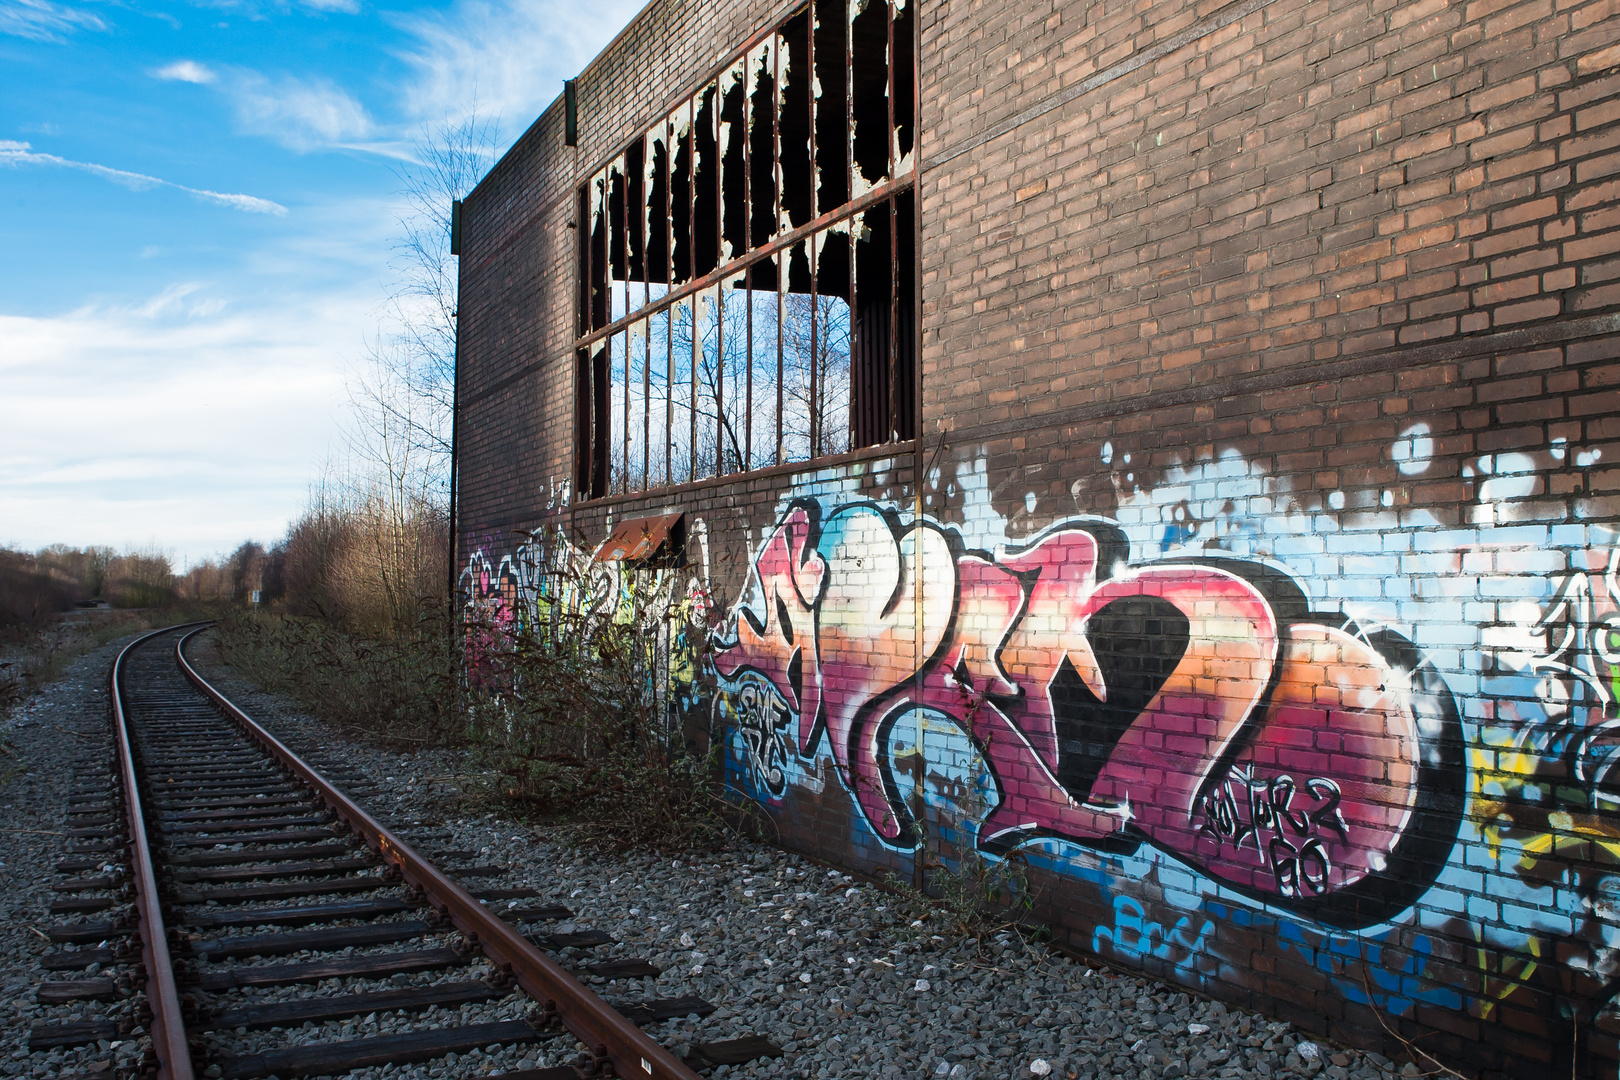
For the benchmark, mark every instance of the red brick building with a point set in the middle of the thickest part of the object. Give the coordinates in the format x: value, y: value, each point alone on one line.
x: 1173, y: 442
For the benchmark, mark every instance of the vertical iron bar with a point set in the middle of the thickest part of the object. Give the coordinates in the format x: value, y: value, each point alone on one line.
x: 624, y: 225
x: 779, y: 43
x: 646, y: 404
x: 784, y: 264
x: 815, y: 353
x: 888, y: 66
x: 692, y: 376
x: 748, y: 271
x: 894, y: 323
x: 781, y: 314
x: 849, y: 105
x: 811, y: 12
x: 748, y: 370
x: 669, y: 312
x: 625, y: 422
x: 719, y: 289
x: 854, y: 325
x: 894, y: 246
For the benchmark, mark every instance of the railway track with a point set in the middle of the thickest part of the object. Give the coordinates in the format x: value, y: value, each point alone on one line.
x: 258, y: 908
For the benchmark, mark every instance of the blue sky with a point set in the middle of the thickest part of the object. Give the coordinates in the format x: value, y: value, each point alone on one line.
x: 197, y: 208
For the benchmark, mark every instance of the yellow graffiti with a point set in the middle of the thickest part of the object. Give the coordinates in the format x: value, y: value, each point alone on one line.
x: 1515, y: 971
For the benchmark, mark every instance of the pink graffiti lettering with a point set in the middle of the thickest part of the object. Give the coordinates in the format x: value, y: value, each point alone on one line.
x: 1197, y: 705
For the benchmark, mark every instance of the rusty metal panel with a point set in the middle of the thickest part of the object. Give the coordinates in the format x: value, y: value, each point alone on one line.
x: 644, y: 539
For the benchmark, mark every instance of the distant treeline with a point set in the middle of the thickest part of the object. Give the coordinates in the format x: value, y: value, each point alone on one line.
x: 36, y: 586
x: 358, y: 560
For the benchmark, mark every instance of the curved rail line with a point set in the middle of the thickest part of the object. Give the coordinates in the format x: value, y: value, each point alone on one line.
x: 163, y: 725
x: 168, y: 1026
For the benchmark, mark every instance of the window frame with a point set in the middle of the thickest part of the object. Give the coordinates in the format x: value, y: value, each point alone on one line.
x: 597, y: 330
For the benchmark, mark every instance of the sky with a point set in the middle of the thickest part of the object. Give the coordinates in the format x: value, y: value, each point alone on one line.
x: 198, y: 207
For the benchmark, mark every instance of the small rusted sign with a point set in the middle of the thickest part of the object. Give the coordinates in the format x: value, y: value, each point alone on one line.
x: 649, y: 541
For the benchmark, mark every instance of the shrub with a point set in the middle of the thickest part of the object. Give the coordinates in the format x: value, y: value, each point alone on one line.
x: 396, y: 691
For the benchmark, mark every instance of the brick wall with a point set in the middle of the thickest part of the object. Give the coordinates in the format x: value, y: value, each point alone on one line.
x: 1254, y: 579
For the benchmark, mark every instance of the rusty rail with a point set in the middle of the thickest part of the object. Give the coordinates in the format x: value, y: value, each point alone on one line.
x: 609, y: 1038
x: 167, y: 1026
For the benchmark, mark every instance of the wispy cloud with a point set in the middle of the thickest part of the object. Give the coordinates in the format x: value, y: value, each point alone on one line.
x: 348, y: 7
x: 185, y: 71
x: 508, y: 57
x: 41, y: 20
x: 301, y: 114
x: 20, y: 153
x: 196, y: 421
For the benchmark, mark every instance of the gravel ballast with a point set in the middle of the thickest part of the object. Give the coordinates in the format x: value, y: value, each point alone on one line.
x: 47, y: 734
x: 824, y: 965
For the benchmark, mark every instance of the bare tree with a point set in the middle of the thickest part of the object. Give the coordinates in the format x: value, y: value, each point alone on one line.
x: 408, y: 387
x: 727, y: 385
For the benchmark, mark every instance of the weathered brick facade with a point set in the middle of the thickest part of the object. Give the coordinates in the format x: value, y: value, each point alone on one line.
x: 1256, y: 573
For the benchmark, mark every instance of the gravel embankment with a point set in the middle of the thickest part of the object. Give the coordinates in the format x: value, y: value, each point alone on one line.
x: 822, y: 964
x: 46, y: 735
x: 819, y: 962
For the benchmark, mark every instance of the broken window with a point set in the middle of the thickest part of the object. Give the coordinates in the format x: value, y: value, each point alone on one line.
x: 748, y: 264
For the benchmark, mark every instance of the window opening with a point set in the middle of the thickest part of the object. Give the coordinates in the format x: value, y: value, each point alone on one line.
x: 748, y: 268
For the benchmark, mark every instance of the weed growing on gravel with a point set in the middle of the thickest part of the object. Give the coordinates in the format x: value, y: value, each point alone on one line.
x: 398, y: 691
x: 959, y: 892
x: 32, y: 659
x: 591, y: 708
x: 586, y: 708
x: 970, y: 897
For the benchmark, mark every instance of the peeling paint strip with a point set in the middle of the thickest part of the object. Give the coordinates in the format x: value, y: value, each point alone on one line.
x: 1223, y: 18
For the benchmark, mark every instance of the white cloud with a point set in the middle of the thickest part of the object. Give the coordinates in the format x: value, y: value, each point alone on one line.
x: 348, y: 7
x: 181, y: 419
x: 301, y: 114
x: 41, y: 20
x: 507, y: 57
x: 186, y: 71
x: 20, y: 153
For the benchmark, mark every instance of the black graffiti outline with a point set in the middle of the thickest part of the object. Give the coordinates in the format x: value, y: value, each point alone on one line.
x: 762, y: 721
x: 1411, y: 867
x: 1269, y: 802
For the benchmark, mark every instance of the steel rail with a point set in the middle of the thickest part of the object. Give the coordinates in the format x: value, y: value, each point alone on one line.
x: 608, y: 1037
x: 167, y: 1026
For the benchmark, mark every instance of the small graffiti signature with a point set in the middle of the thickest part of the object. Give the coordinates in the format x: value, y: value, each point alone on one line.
x: 762, y: 719
x: 1136, y: 936
x: 1247, y: 806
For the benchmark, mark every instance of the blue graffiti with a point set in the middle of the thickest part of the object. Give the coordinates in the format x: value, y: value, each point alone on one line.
x: 1134, y: 935
x: 1395, y: 991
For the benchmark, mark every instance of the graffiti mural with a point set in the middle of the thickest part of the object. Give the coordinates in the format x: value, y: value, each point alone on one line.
x: 1197, y: 705
x: 551, y: 592
x: 1379, y: 738
x: 1546, y: 800
x: 1373, y: 741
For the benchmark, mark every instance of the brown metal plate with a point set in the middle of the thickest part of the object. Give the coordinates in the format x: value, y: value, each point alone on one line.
x: 637, y: 539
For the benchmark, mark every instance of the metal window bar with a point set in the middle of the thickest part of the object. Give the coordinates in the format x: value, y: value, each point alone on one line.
x: 719, y: 169
x: 668, y: 452
x: 748, y: 271
x: 890, y: 433
x: 815, y: 352
x: 776, y: 226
